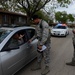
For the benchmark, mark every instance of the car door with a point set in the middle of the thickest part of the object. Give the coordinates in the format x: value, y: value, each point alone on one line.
x: 33, y: 45
x: 15, y: 56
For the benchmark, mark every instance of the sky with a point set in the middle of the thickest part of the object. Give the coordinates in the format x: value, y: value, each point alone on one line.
x: 70, y: 9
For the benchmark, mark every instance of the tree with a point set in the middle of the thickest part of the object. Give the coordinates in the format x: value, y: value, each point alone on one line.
x: 9, y: 5
x: 64, y: 17
x: 61, y: 17
x: 43, y: 15
x: 30, y: 7
x: 70, y: 18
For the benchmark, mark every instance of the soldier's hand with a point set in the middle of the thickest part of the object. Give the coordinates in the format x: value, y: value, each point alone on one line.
x: 39, y: 47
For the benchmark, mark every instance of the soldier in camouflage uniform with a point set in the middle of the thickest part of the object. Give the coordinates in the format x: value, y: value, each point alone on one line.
x: 43, y: 35
x: 72, y: 63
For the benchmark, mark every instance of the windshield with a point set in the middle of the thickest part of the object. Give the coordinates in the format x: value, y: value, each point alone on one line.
x: 60, y: 27
x: 4, y: 34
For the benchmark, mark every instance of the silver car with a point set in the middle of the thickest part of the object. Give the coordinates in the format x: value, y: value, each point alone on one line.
x: 14, y: 53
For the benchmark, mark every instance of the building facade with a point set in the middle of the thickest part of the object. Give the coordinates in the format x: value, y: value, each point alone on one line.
x: 11, y: 18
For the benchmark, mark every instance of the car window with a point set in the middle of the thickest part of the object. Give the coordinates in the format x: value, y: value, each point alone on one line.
x: 30, y: 33
x: 18, y: 39
x: 4, y: 34
x: 11, y: 44
x: 23, y: 36
x: 60, y: 27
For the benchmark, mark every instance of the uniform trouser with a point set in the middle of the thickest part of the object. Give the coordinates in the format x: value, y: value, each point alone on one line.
x: 44, y: 54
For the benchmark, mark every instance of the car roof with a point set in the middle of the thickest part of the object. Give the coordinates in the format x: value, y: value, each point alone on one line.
x: 17, y: 28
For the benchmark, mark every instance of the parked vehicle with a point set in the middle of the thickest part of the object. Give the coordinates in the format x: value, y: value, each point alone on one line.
x: 15, y: 55
x: 60, y: 30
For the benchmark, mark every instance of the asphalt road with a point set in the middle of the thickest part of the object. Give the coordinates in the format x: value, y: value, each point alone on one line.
x: 61, y: 52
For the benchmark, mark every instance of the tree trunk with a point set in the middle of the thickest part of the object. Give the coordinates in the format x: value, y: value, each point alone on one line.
x: 28, y: 21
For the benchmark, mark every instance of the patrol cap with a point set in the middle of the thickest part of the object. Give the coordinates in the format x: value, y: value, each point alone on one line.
x: 35, y: 17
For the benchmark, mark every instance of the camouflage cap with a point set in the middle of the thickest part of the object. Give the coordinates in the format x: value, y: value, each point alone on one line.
x: 35, y: 17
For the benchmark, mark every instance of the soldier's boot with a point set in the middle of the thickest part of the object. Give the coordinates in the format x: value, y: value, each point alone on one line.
x: 72, y: 63
x: 36, y: 67
x: 46, y: 70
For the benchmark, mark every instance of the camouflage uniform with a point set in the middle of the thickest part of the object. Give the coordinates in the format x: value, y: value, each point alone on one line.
x: 73, y: 59
x: 43, y: 36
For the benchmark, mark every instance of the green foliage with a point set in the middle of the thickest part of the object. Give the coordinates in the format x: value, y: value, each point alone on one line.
x: 30, y: 7
x: 61, y: 17
x: 43, y: 15
x: 64, y: 3
x: 70, y: 17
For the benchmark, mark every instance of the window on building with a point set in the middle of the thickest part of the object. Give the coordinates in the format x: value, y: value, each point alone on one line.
x: 5, y: 18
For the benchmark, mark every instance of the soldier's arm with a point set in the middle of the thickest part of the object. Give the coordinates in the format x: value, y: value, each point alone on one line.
x: 34, y: 37
x: 45, y: 33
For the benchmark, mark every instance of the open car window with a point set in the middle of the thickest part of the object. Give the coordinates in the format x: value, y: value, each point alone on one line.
x: 30, y: 33
x: 19, y: 38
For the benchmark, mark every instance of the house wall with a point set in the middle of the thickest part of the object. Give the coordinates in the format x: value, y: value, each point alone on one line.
x: 9, y: 18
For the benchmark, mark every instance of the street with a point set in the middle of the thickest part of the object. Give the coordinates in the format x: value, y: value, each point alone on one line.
x: 61, y: 52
